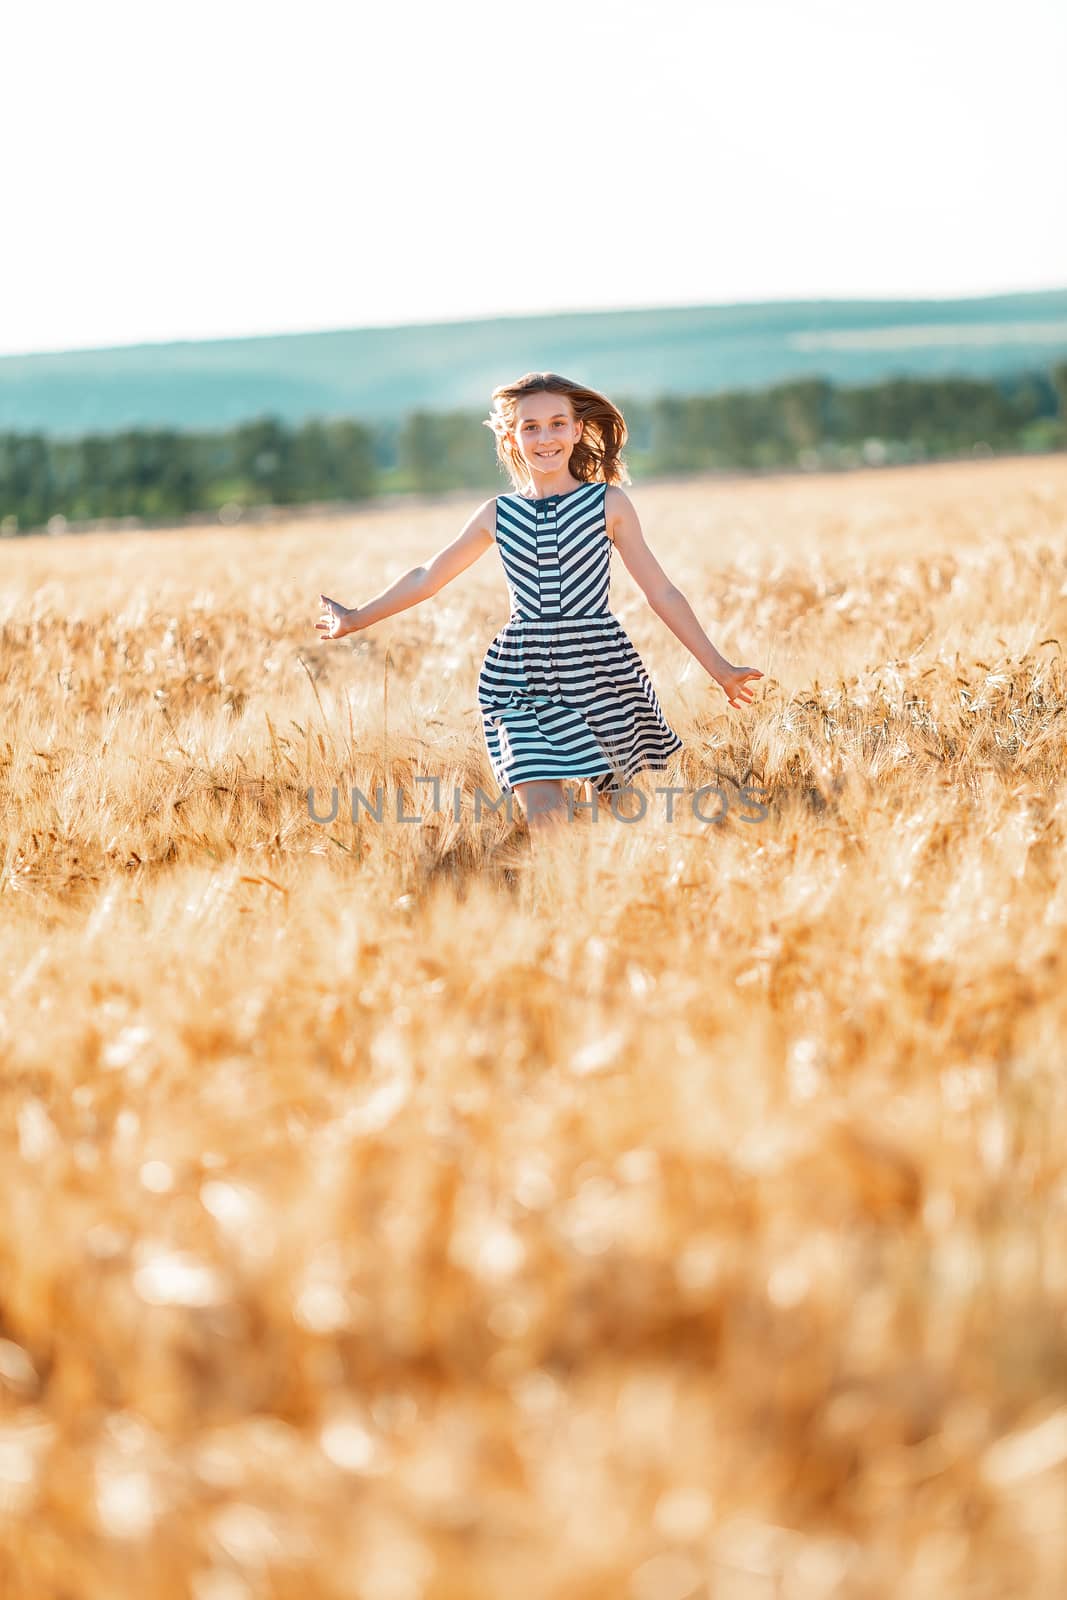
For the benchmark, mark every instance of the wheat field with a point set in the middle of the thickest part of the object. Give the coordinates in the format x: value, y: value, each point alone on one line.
x: 678, y: 1214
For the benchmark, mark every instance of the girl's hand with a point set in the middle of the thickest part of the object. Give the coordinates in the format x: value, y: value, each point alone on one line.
x: 734, y: 683
x: 336, y: 621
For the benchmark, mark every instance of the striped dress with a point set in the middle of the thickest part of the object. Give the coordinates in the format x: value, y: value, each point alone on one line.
x: 562, y: 691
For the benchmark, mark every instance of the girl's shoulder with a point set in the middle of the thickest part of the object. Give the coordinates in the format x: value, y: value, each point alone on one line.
x: 615, y: 502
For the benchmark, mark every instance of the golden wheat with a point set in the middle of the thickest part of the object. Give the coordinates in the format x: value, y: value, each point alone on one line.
x: 382, y: 1218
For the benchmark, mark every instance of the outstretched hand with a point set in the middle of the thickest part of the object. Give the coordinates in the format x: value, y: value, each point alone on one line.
x: 734, y: 683
x: 336, y: 620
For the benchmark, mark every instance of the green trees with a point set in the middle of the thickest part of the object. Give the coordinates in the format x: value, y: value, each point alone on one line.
x: 807, y: 422
x: 444, y: 450
x: 27, y: 480
x: 161, y: 473
x: 1059, y: 383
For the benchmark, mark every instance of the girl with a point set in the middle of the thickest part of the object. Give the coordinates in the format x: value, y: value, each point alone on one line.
x: 562, y: 691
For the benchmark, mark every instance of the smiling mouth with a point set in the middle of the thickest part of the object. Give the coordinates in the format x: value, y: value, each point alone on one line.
x: 547, y: 455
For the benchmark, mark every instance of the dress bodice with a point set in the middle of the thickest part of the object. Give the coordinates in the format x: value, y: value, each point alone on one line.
x: 556, y: 553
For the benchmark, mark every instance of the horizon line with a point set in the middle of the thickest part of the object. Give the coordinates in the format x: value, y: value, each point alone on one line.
x: 535, y: 316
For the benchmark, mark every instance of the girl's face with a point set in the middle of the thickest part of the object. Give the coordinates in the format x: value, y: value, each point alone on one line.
x: 545, y: 432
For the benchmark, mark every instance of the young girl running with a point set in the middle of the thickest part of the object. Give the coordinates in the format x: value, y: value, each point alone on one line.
x: 562, y: 691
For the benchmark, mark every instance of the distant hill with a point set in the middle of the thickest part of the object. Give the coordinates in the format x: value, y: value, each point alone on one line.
x: 381, y: 374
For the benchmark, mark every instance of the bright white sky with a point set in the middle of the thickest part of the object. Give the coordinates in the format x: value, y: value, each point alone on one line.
x: 229, y: 168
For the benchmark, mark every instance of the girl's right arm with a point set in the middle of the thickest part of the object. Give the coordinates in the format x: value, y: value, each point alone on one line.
x: 417, y: 584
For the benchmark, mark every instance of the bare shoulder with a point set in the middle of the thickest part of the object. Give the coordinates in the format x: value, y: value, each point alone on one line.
x: 483, y: 521
x: 487, y: 514
x: 616, y: 504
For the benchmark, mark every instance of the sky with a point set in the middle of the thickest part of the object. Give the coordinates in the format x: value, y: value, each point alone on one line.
x: 227, y: 169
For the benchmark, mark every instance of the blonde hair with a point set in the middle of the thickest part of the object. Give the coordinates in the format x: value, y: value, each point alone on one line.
x: 596, y: 457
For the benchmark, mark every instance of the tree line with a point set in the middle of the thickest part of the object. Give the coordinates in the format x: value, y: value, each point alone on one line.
x: 161, y: 473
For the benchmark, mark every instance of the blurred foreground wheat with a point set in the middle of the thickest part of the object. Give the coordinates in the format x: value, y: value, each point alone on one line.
x: 382, y: 1219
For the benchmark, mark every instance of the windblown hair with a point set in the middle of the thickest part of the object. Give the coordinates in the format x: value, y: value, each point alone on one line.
x: 596, y: 457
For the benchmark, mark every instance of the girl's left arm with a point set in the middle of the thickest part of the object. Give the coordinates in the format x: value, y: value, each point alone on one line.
x: 668, y: 601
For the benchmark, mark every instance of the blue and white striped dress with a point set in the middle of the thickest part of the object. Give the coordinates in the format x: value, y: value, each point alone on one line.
x: 562, y: 691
